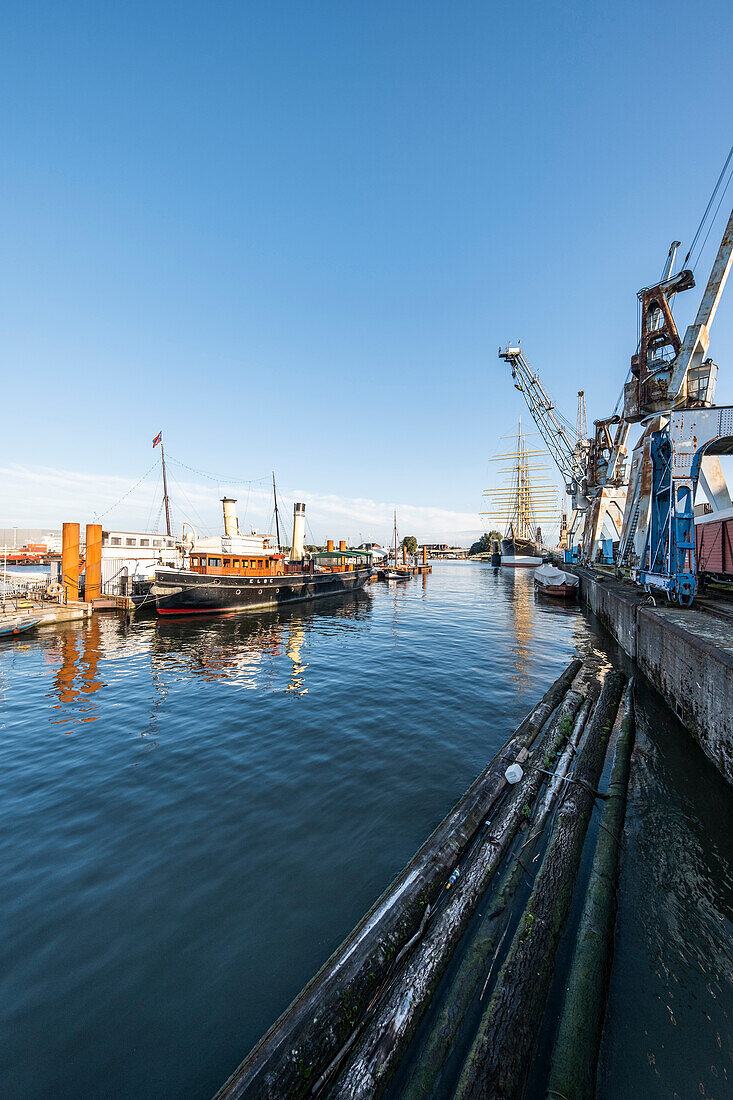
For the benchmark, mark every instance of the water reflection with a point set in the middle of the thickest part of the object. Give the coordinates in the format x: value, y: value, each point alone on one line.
x: 296, y: 641
x: 246, y: 650
x: 528, y: 608
x: 64, y: 686
x: 243, y: 650
x: 521, y: 605
x: 77, y: 653
x: 196, y: 804
x: 90, y: 656
x: 674, y: 955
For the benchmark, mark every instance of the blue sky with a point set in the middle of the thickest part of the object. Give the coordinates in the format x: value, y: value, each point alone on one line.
x: 293, y: 235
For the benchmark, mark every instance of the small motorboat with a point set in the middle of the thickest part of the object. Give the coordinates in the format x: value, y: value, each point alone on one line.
x: 555, y: 582
x: 17, y: 626
x: 393, y: 575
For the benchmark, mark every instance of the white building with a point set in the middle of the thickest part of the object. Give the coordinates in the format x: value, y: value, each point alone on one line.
x: 133, y: 555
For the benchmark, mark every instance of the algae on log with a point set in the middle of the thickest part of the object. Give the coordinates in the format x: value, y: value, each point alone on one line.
x: 431, y: 1057
x: 314, y: 1028
x: 500, y: 1056
x: 393, y: 1025
x: 575, y: 1054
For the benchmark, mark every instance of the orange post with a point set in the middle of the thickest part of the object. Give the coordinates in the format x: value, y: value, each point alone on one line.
x: 425, y: 555
x: 70, y: 561
x: 404, y: 555
x: 93, y: 571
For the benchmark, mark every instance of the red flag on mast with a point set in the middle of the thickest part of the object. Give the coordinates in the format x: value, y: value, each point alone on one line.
x: 158, y: 439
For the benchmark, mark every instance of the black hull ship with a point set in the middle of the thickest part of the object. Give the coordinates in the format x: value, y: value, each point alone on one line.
x: 519, y: 552
x: 519, y: 507
x: 180, y: 592
x: 239, y: 573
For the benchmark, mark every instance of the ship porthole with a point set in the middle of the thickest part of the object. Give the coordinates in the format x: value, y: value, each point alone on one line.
x: 239, y: 592
x: 259, y: 591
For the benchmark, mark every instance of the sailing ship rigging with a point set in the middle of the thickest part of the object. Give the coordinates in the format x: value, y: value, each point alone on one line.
x: 396, y: 574
x: 523, y: 505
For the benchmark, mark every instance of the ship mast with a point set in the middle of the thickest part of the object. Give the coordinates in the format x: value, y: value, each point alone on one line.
x: 524, y: 495
x: 165, y: 492
x: 277, y: 520
x: 522, y: 485
x: 159, y: 439
x: 526, y: 500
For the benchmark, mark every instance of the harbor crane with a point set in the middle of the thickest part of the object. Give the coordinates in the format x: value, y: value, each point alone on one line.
x: 593, y: 470
x: 671, y: 391
x: 554, y: 428
x: 581, y: 422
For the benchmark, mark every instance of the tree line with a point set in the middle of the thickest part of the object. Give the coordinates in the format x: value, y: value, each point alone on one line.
x: 485, y: 545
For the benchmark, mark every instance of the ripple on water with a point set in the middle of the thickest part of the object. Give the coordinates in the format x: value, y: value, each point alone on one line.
x: 201, y: 810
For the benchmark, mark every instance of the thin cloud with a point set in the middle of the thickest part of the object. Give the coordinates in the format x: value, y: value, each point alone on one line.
x: 42, y: 496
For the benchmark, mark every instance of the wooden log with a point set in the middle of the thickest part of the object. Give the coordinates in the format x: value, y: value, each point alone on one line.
x: 394, y: 1023
x: 472, y: 972
x: 575, y: 1054
x: 322, y: 1018
x: 500, y: 1056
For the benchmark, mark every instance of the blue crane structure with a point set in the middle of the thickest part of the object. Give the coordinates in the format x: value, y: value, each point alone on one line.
x: 670, y: 390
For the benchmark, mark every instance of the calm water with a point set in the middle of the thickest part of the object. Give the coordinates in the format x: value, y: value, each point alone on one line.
x: 195, y: 813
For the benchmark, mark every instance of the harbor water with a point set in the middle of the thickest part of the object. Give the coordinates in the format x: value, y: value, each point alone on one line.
x: 196, y: 812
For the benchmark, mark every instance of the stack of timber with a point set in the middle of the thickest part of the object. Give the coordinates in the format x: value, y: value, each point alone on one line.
x: 384, y: 1002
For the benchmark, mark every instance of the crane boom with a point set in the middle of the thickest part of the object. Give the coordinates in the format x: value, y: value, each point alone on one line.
x: 542, y: 408
x: 697, y: 338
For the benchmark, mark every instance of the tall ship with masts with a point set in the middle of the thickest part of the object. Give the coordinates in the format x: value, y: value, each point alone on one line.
x: 522, y: 505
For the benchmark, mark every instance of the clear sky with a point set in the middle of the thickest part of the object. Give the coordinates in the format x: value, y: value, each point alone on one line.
x: 293, y: 236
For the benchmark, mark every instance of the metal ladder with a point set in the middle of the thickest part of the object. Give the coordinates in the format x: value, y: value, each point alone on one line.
x: 626, y: 548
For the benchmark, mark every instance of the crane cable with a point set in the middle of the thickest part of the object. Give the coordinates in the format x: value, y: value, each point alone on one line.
x: 712, y: 220
x: 703, y: 219
x: 707, y: 210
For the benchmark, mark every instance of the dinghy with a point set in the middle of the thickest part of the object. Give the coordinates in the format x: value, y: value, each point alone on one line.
x: 555, y: 582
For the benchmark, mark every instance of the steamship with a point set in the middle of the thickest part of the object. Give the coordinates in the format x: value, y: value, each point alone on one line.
x: 234, y: 572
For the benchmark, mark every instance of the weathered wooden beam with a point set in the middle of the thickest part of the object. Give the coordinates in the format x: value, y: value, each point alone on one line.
x: 575, y: 1054
x: 501, y: 1054
x: 299, y: 1046
x: 472, y: 971
x: 397, y: 1017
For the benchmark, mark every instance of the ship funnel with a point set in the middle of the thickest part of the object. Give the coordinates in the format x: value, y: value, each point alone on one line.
x: 231, y: 523
x: 297, y: 548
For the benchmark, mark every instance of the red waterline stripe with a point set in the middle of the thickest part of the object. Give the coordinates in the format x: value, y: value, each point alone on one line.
x: 205, y: 610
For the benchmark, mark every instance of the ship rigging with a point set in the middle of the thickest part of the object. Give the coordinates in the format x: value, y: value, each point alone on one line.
x: 521, y: 506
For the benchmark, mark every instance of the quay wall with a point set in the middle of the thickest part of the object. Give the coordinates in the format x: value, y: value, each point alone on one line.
x: 685, y: 653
